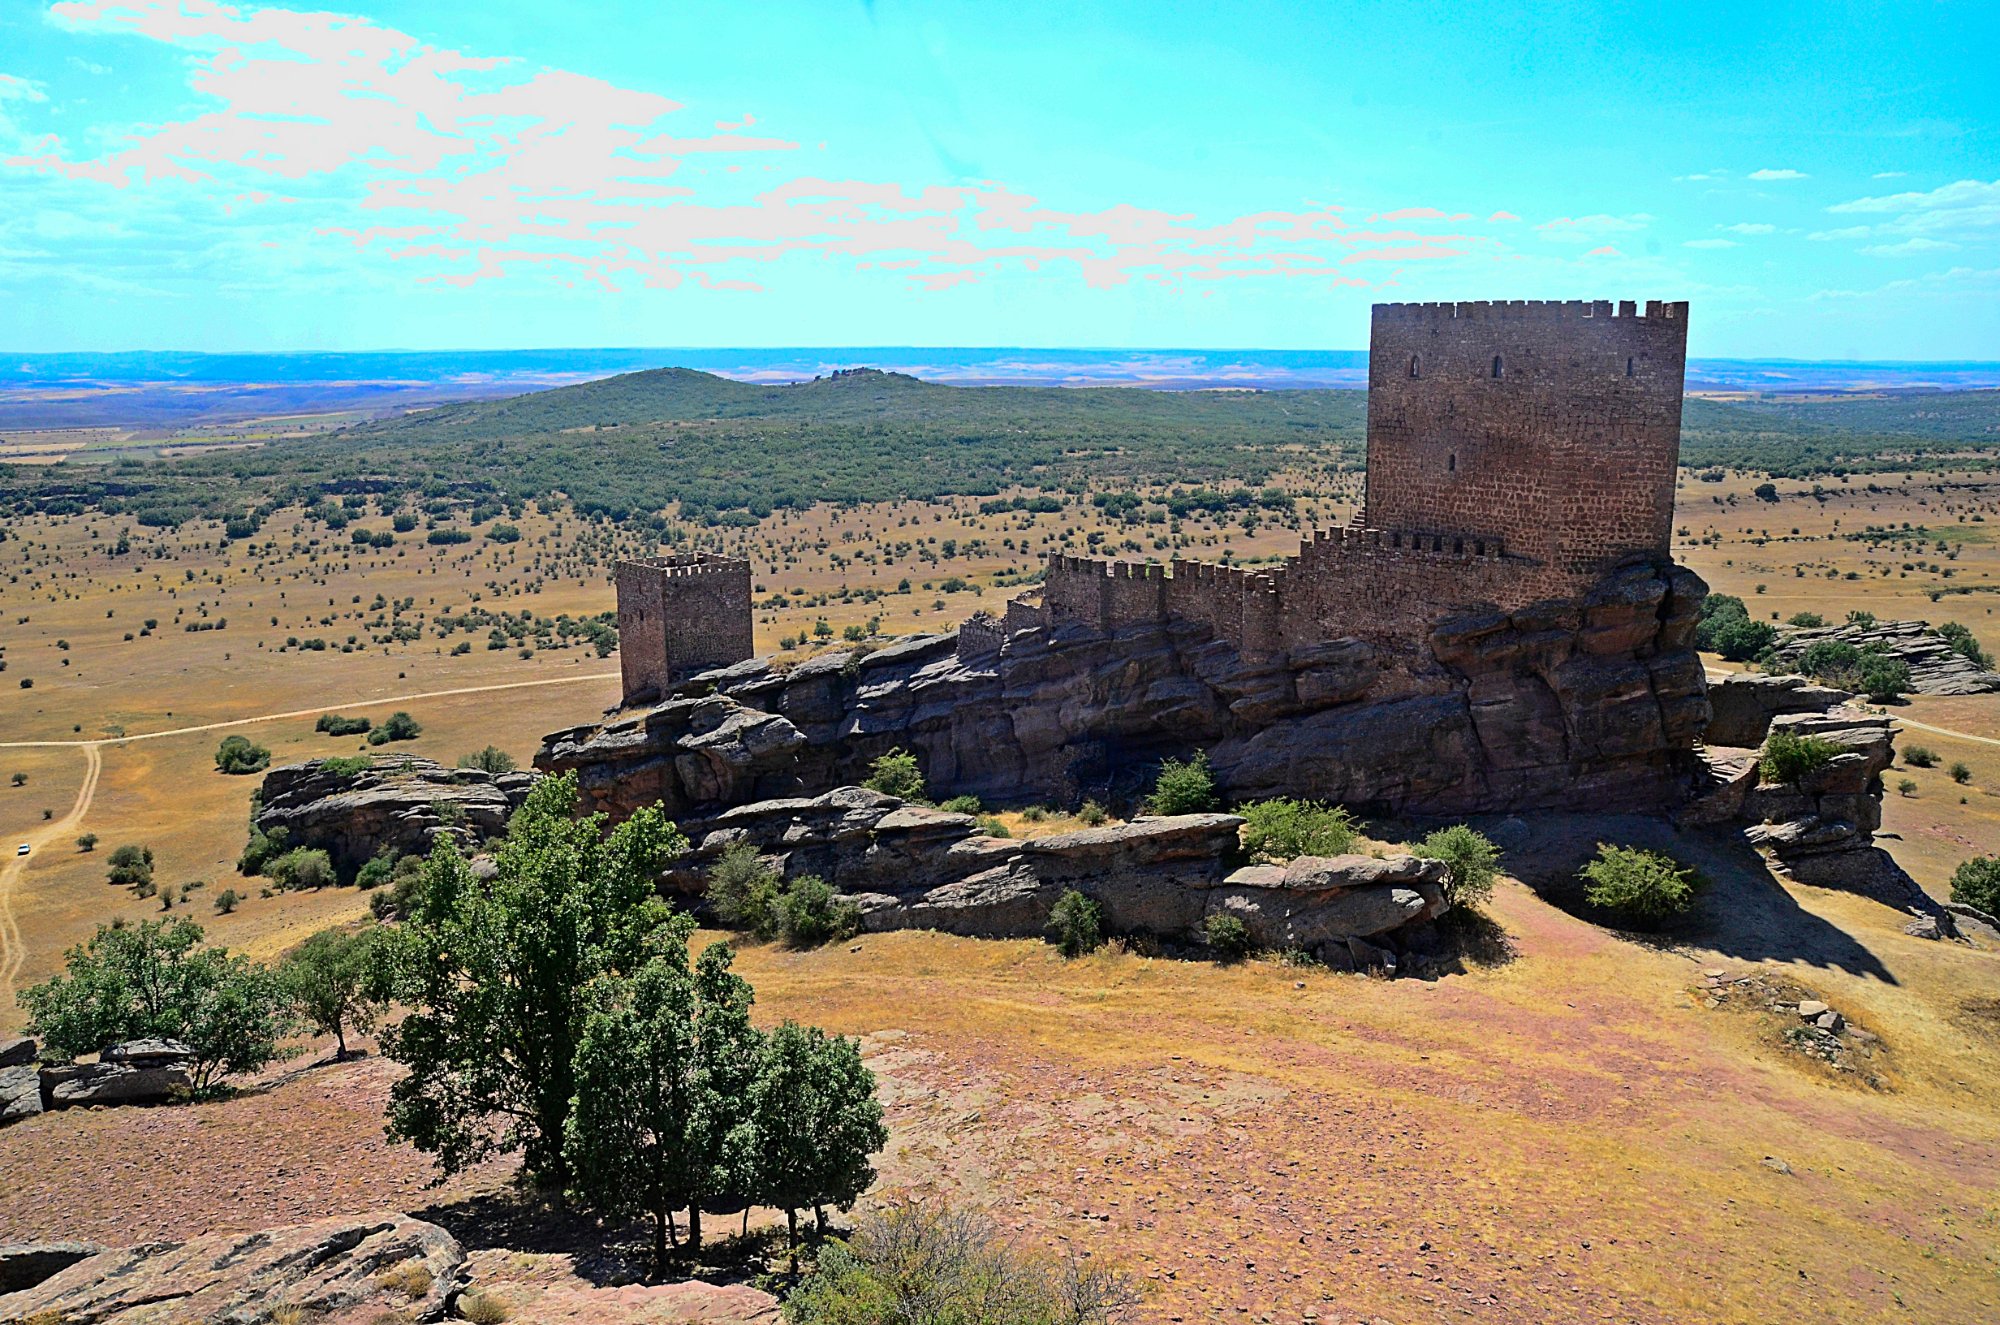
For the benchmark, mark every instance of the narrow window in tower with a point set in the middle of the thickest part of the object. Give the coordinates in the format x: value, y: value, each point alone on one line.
x: 1416, y: 367
x: 1496, y: 365
x: 1451, y: 465
x: 1628, y: 365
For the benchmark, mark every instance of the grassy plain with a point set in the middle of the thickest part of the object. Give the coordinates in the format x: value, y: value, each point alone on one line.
x: 1572, y: 1134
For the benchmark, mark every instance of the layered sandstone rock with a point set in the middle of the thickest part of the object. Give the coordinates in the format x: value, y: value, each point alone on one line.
x: 400, y: 803
x: 1935, y: 667
x: 911, y: 867
x: 1742, y: 705
x: 331, y: 1269
x: 1591, y: 701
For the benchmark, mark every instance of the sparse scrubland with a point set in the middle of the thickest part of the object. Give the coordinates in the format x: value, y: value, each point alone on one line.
x: 1245, y: 1136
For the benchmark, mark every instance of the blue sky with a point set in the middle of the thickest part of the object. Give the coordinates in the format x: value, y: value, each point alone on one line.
x: 1819, y: 180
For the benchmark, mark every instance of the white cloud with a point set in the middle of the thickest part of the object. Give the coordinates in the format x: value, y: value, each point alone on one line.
x: 1749, y: 228
x: 1709, y: 243
x: 1843, y: 232
x: 1958, y: 282
x: 1909, y: 247
x: 1966, y: 209
x: 1888, y: 174
x: 20, y: 89
x: 1766, y: 175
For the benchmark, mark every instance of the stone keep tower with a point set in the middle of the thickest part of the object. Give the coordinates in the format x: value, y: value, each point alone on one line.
x: 680, y: 615
x: 1554, y: 427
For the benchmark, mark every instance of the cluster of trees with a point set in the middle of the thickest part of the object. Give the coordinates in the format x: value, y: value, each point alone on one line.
x: 1869, y: 670
x: 555, y: 1010
x: 1725, y: 627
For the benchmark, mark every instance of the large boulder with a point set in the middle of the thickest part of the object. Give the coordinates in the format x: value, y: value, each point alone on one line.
x: 386, y: 1262
x: 16, y: 1050
x: 20, y: 1093
x: 92, y: 1084
x: 399, y: 803
x: 1742, y: 705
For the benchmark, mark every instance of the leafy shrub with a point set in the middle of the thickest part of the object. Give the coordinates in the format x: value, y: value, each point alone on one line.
x: 1034, y: 814
x: 226, y: 900
x: 743, y: 890
x: 1228, y: 935
x: 1961, y: 639
x: 1961, y: 773
x: 88, y: 842
x: 1806, y: 620
x: 406, y: 890
x: 992, y: 827
x: 504, y: 533
x: 1075, y: 924
x: 1643, y: 888
x: 962, y: 805
x: 346, y: 766
x: 1789, y: 757
x: 1725, y: 627
x: 1883, y: 678
x: 1282, y: 829
x: 301, y: 868
x: 1471, y: 861
x: 1860, y: 618
x: 376, y: 872
x: 398, y: 726
x: 1092, y: 814
x: 261, y: 849
x: 238, y: 754
x: 1905, y: 787
x: 492, y: 759
x: 157, y: 979
x: 896, y: 774
x: 1829, y: 660
x: 443, y: 537
x: 333, y: 724
x: 1976, y: 882
x: 1920, y: 756
x: 926, y: 1262
x: 809, y: 914
x: 1185, y: 786
x: 130, y: 866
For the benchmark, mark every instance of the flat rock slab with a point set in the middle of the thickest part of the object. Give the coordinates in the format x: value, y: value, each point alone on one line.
x: 331, y: 1268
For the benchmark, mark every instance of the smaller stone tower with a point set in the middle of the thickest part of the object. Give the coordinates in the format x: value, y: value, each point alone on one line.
x: 680, y: 615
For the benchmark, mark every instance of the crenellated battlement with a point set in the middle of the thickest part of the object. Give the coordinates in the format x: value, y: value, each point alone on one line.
x: 690, y: 565
x: 1533, y: 310
x: 1358, y: 538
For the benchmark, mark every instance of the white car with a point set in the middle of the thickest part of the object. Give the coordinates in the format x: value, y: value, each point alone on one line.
x: 21, y: 850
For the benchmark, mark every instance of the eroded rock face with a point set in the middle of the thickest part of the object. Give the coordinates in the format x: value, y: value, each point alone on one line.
x: 321, y: 1269
x: 402, y: 803
x: 20, y: 1093
x: 1743, y: 705
x: 911, y: 867
x: 25, y: 1264
x: 1578, y: 703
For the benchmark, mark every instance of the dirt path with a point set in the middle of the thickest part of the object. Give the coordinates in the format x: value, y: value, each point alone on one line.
x: 1947, y: 731
x: 13, y: 952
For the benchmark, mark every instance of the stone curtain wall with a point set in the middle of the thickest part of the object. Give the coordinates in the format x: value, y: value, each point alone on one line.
x: 1554, y: 427
x: 680, y: 615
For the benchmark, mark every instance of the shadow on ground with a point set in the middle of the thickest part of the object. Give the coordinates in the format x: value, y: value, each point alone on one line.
x: 1745, y: 912
x: 524, y: 1220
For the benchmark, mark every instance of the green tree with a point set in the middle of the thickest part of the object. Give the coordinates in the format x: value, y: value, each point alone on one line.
x: 1227, y: 935
x: 158, y: 980
x: 492, y: 759
x: 1075, y: 924
x: 896, y: 774
x: 1789, y: 758
x: 1976, y: 883
x: 1185, y: 786
x: 302, y: 869
x: 398, y: 726
x: 664, y: 1069
x: 333, y: 980
x: 1645, y: 888
x: 817, y: 1124
x: 810, y: 913
x: 238, y: 754
x: 130, y: 866
x: 743, y: 890
x: 88, y: 842
x: 1471, y: 862
x: 497, y: 972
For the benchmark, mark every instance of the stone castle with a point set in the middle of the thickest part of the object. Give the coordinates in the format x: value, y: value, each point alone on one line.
x: 1516, y: 452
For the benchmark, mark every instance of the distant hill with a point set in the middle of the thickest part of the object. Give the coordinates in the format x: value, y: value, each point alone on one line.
x: 732, y: 451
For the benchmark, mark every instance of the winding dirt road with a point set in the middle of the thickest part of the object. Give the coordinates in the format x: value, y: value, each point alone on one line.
x: 13, y: 951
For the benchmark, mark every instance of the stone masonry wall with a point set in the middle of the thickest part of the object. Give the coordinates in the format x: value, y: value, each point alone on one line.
x: 680, y: 615
x: 1554, y: 427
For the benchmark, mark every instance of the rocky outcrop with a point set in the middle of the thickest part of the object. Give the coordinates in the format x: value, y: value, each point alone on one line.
x: 17, y: 1050
x: 399, y: 1268
x: 136, y: 1072
x: 1935, y: 667
x: 911, y: 867
x: 1743, y: 704
x: 400, y: 803
x: 20, y: 1093
x: 1593, y: 701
